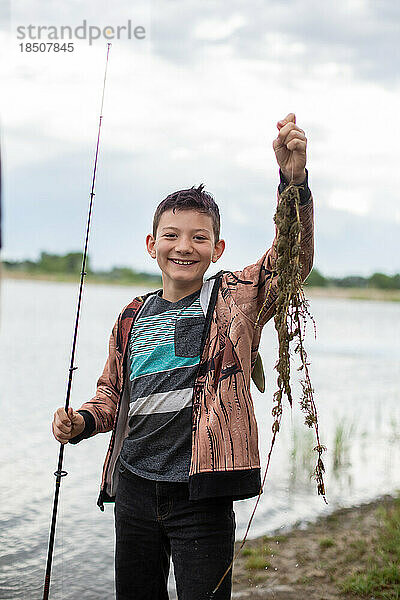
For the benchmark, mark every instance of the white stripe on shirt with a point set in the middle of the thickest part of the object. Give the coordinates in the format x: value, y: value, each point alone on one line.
x: 162, y: 402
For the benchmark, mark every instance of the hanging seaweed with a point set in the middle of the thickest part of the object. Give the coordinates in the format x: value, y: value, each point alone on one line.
x: 290, y: 319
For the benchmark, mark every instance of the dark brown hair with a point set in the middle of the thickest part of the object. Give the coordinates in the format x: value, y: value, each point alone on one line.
x: 192, y: 198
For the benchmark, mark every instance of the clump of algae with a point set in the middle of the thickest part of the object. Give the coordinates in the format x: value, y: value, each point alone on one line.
x: 291, y: 315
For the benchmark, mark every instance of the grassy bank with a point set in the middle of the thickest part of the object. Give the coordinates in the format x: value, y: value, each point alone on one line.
x: 353, y: 293
x: 311, y: 292
x: 352, y: 553
x: 71, y: 278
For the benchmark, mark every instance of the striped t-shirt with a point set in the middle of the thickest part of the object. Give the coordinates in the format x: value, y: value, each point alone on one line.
x: 164, y: 353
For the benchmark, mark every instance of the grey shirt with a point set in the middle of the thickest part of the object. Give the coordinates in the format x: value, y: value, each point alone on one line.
x: 164, y: 353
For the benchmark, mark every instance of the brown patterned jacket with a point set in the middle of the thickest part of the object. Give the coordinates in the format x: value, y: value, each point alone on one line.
x: 225, y: 457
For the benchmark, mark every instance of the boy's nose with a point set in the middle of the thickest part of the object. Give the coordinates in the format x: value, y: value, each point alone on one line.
x: 184, y: 246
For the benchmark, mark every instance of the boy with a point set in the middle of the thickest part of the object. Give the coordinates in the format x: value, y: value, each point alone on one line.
x: 175, y: 392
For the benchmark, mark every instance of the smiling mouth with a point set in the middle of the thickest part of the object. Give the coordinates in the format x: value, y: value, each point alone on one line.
x: 176, y: 261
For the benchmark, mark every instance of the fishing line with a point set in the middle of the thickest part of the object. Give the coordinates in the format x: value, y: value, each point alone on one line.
x: 59, y: 474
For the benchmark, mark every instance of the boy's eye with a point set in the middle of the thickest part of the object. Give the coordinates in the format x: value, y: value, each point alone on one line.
x: 169, y: 234
x: 200, y: 237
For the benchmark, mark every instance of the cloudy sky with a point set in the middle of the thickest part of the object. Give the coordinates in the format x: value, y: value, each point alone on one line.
x: 197, y: 100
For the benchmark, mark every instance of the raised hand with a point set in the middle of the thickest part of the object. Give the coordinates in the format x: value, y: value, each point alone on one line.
x: 290, y: 149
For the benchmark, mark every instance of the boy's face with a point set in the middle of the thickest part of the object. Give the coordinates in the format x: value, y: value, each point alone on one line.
x: 184, y: 247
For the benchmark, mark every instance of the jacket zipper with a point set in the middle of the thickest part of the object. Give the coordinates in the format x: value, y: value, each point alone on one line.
x: 114, y: 431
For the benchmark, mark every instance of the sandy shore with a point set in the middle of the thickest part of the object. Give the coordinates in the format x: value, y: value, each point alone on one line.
x: 311, y: 563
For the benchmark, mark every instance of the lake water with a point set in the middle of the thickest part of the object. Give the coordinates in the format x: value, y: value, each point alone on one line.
x: 355, y: 370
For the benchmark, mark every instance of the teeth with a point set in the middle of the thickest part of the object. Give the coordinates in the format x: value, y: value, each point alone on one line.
x: 183, y: 262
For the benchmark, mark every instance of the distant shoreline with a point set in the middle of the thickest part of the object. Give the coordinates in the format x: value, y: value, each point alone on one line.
x: 311, y: 292
x: 67, y: 278
x: 353, y: 293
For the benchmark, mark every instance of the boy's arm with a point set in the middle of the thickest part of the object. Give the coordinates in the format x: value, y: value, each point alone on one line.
x: 254, y: 289
x: 99, y: 412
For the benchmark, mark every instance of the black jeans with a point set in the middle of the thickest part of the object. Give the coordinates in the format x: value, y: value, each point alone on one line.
x: 154, y: 520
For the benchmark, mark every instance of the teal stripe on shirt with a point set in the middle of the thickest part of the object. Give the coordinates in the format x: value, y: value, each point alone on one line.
x: 148, y: 331
x: 162, y: 358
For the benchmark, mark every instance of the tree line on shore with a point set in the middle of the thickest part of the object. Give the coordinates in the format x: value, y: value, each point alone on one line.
x: 70, y: 264
x: 377, y: 280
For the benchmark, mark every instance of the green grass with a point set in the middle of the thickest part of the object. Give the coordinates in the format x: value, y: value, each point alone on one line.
x: 273, y: 539
x: 384, y: 581
x: 381, y: 575
x: 257, y: 562
x: 326, y: 543
x: 344, y: 433
x: 256, y: 558
x: 357, y: 549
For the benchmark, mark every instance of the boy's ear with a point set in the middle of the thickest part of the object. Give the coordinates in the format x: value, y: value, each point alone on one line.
x: 150, y: 243
x: 218, y: 250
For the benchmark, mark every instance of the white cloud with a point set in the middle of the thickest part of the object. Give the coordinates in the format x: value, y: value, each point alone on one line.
x: 281, y: 44
x: 354, y: 200
x: 172, y: 123
x: 218, y: 29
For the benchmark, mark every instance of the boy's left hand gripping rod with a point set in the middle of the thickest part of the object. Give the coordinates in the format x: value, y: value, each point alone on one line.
x: 60, y: 473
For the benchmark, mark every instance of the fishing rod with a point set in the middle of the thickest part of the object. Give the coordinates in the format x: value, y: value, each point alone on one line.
x: 59, y: 474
